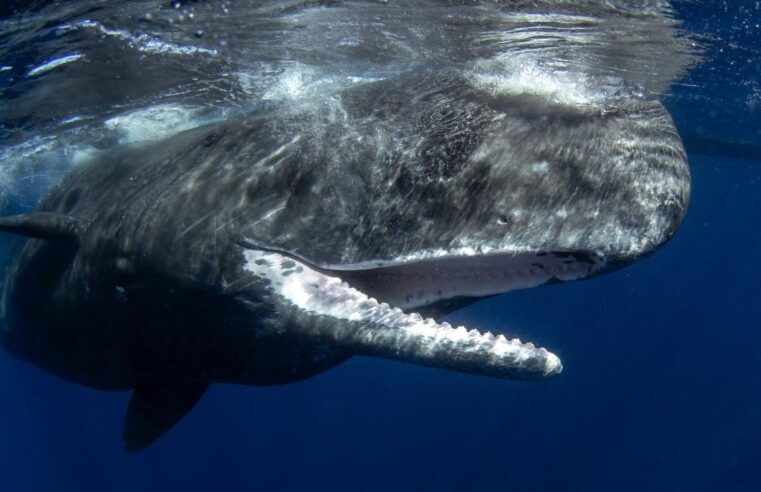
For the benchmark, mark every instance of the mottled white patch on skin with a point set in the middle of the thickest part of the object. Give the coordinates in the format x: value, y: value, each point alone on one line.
x: 540, y: 167
x: 377, y: 329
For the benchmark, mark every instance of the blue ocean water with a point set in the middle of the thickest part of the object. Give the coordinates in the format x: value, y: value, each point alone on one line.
x: 660, y: 392
x: 660, y: 389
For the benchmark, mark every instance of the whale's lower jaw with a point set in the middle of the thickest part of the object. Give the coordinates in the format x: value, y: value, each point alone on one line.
x: 320, y: 305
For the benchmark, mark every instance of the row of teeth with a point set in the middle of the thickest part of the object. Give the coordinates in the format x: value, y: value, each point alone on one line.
x: 513, y: 355
x: 378, y: 329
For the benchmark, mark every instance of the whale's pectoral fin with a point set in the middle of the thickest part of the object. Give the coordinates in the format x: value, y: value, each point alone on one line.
x: 42, y: 225
x: 154, y: 409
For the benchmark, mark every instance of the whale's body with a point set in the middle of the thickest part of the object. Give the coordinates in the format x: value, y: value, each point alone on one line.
x: 276, y: 242
x: 246, y: 252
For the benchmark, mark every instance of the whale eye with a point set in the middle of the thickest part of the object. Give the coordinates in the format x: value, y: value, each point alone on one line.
x: 503, y: 220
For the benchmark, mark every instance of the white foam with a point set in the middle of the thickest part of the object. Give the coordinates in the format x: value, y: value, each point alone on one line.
x: 302, y: 82
x: 291, y: 84
x: 141, y: 42
x: 154, y: 123
x: 522, y: 74
x: 54, y: 63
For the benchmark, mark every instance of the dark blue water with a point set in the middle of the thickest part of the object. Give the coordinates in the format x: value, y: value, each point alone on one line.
x: 661, y: 391
x: 661, y: 388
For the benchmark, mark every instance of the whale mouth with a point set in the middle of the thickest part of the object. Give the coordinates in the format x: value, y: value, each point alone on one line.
x: 441, y: 285
x: 380, y: 311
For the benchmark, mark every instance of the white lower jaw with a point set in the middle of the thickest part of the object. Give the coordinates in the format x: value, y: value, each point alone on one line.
x: 337, y: 311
